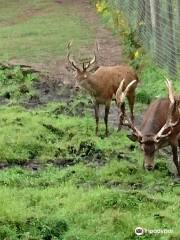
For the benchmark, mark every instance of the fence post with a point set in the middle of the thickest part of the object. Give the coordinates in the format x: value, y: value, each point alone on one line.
x: 156, y: 30
x: 141, y: 17
x: 172, y: 54
x: 178, y: 27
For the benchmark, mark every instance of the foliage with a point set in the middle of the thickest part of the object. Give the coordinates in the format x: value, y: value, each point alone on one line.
x: 16, y: 84
x: 151, y: 77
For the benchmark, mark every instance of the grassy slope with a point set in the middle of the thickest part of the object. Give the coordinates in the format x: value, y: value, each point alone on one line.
x: 37, y: 30
x: 106, y: 194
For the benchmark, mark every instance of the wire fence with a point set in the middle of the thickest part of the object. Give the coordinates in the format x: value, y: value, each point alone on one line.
x: 157, y: 23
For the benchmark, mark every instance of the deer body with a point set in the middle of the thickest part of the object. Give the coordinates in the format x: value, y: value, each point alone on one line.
x: 153, y: 120
x: 104, y: 83
x: 160, y: 127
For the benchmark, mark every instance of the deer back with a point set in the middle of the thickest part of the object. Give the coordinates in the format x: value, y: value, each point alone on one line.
x: 108, y: 79
x: 155, y: 117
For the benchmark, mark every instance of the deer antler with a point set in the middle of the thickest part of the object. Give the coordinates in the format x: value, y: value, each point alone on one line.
x: 120, y: 94
x: 71, y: 61
x: 93, y: 60
x: 169, y: 123
x: 130, y: 124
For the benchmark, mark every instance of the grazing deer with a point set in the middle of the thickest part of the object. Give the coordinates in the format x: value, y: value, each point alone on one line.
x: 160, y: 127
x: 103, y: 84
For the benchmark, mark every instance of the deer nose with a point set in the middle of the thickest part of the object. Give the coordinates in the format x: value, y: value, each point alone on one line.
x: 149, y: 167
x: 77, y: 88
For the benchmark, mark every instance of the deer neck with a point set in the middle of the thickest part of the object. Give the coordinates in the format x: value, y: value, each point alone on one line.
x: 90, y: 83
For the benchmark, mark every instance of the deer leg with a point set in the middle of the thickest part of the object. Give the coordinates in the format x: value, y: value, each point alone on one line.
x: 107, y: 107
x: 175, y: 158
x: 96, y: 110
x: 121, y: 116
x: 131, y: 100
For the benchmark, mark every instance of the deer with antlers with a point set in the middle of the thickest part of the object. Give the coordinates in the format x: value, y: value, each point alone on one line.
x: 160, y: 127
x: 103, y: 85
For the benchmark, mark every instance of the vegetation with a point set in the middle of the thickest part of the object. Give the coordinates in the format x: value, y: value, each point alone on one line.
x: 151, y: 77
x: 58, y: 180
x: 88, y: 202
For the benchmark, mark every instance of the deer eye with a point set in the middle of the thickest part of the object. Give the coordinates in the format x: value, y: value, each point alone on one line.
x: 85, y: 75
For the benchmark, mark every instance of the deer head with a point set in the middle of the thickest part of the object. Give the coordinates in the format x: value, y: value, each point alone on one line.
x: 81, y: 73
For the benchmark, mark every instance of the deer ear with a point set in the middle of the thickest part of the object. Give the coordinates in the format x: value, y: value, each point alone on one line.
x: 133, y: 137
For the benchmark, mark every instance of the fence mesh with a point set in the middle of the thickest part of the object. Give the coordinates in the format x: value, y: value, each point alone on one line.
x: 157, y: 23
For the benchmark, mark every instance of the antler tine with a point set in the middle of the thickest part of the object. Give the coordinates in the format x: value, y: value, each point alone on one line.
x: 71, y: 61
x: 119, y: 90
x: 92, y: 61
x: 69, y: 44
x: 168, y: 123
x: 120, y: 94
x: 97, y: 47
x: 170, y: 90
x: 128, y: 87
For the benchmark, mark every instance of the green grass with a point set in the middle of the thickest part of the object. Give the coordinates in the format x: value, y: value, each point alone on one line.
x: 104, y: 195
x: 152, y: 84
x: 83, y: 202
x: 37, y: 31
x: 43, y: 135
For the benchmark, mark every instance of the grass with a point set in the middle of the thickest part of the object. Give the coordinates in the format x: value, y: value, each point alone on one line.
x: 112, y: 192
x: 35, y: 32
x: 45, y: 199
x: 44, y: 136
x: 153, y: 84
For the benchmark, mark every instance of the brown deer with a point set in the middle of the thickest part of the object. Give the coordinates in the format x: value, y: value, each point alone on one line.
x: 103, y: 84
x: 160, y: 127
